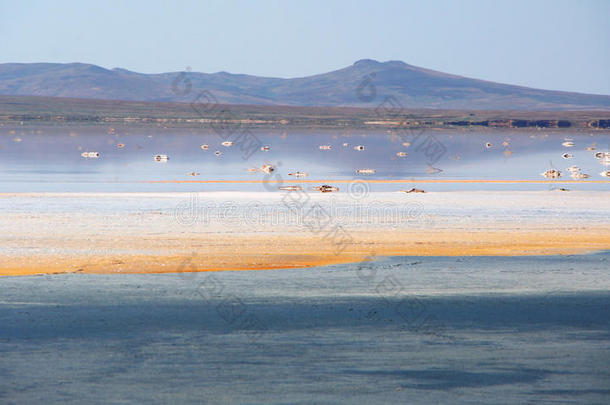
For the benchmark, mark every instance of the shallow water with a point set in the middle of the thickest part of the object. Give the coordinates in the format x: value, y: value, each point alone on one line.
x: 48, y: 158
x: 401, y: 330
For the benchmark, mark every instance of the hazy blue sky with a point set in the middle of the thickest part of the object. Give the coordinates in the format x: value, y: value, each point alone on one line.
x: 562, y: 45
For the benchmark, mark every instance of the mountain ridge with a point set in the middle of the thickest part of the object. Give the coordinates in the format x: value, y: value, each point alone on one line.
x: 410, y: 86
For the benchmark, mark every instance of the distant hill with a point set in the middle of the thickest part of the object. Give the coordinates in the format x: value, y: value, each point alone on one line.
x: 412, y: 86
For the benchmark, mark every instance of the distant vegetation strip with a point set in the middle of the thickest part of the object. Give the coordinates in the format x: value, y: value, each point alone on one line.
x: 26, y: 109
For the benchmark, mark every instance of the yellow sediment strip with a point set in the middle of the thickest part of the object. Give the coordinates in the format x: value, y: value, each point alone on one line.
x: 388, y: 181
x: 221, y: 252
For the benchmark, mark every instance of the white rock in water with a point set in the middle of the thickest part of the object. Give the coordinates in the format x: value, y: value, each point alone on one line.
x: 578, y: 176
x: 290, y: 188
x: 552, y: 174
x: 326, y: 189
x: 267, y: 169
x: 298, y: 174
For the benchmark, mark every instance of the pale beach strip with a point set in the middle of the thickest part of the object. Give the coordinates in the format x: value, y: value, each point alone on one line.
x: 45, y: 233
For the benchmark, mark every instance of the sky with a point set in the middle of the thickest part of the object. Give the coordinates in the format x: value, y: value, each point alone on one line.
x: 557, y: 45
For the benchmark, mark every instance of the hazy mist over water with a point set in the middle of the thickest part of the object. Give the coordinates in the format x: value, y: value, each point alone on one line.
x: 48, y: 158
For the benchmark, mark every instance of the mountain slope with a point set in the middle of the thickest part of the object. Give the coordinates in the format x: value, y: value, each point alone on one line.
x: 412, y: 86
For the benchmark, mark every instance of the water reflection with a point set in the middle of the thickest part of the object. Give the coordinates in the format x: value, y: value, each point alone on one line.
x: 48, y: 158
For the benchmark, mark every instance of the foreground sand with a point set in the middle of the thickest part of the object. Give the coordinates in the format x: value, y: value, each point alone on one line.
x: 81, y: 234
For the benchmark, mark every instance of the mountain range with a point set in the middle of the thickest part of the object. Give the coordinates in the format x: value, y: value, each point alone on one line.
x: 366, y: 83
